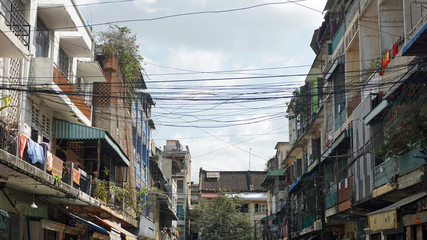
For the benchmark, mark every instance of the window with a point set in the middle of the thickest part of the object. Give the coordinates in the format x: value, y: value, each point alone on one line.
x: 244, y: 208
x: 180, y: 186
x: 339, y: 89
x: 63, y: 61
x: 40, y: 125
x: 260, y: 208
x: 41, y: 38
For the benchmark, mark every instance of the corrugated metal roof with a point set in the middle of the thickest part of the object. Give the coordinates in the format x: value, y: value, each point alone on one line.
x: 400, y: 203
x: 67, y: 130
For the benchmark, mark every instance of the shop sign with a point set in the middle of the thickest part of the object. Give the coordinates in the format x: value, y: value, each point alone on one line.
x: 384, y: 220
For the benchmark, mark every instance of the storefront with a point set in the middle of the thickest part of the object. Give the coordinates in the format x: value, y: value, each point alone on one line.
x: 401, y: 220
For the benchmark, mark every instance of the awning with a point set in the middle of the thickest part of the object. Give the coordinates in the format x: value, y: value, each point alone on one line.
x: 386, y: 218
x: 129, y: 236
x: 249, y: 196
x: 400, y: 203
x: 271, y: 175
x: 270, y: 217
x: 276, y: 173
x: 165, y: 204
x: 73, y: 131
x: 157, y: 172
x: 91, y: 71
x: 296, y: 183
x: 88, y: 223
x: 417, y: 45
x: 167, y: 210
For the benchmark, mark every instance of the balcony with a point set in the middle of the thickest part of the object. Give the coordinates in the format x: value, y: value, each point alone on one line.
x: 408, y: 162
x: 385, y: 172
x: 76, y: 97
x: 331, y: 199
x: 417, y: 36
x: 65, y: 96
x: 14, y: 31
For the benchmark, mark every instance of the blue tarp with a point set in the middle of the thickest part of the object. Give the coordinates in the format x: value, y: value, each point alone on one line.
x: 88, y: 223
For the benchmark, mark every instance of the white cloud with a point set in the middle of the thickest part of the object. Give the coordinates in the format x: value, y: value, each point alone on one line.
x: 268, y: 36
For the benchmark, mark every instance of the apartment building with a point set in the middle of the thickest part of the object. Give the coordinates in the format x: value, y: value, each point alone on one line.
x: 357, y: 132
x: 177, y: 167
x: 67, y: 170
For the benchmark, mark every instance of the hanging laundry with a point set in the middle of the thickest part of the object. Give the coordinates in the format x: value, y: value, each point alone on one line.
x: 57, y: 166
x: 4, y: 103
x: 35, y: 152
x: 23, y: 142
x: 76, y: 176
x: 394, y: 49
x: 49, y: 161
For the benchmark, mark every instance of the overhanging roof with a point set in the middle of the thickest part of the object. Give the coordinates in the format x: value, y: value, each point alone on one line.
x: 252, y: 196
x: 56, y: 17
x: 91, y: 71
x: 400, y: 203
x: 116, y: 226
x: 277, y: 173
x: 88, y: 223
x: 271, y: 175
x: 67, y: 130
x: 76, y: 46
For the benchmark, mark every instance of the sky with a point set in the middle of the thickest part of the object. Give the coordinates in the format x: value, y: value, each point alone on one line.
x: 219, y: 71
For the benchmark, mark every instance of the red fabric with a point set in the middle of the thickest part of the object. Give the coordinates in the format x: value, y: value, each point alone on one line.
x: 384, y: 62
x: 23, y: 142
x: 394, y: 49
x: 49, y: 162
x: 76, y: 176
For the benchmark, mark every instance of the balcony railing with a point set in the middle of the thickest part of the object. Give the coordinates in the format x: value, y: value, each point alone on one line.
x: 331, y: 199
x: 385, y: 172
x: 60, y: 170
x: 409, y: 163
x: 16, y: 21
x: 61, y: 80
x: 344, y: 189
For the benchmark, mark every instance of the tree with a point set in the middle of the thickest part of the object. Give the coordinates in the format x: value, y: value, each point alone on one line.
x: 122, y: 42
x: 221, y: 218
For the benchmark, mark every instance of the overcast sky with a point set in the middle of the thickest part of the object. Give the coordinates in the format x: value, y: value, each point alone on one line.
x: 242, y: 64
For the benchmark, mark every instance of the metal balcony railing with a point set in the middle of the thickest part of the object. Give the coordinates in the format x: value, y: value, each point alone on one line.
x: 15, y: 20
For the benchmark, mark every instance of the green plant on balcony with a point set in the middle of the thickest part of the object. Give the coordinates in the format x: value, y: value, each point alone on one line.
x: 118, y: 197
x: 56, y: 178
x: 374, y: 66
x: 404, y: 124
x: 121, y: 42
x: 300, y: 105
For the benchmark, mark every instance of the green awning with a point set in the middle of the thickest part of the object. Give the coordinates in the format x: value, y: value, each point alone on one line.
x: 73, y: 131
x: 270, y: 176
x: 277, y: 173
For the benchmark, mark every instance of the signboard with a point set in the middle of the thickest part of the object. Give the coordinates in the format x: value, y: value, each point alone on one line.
x: 384, y: 220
